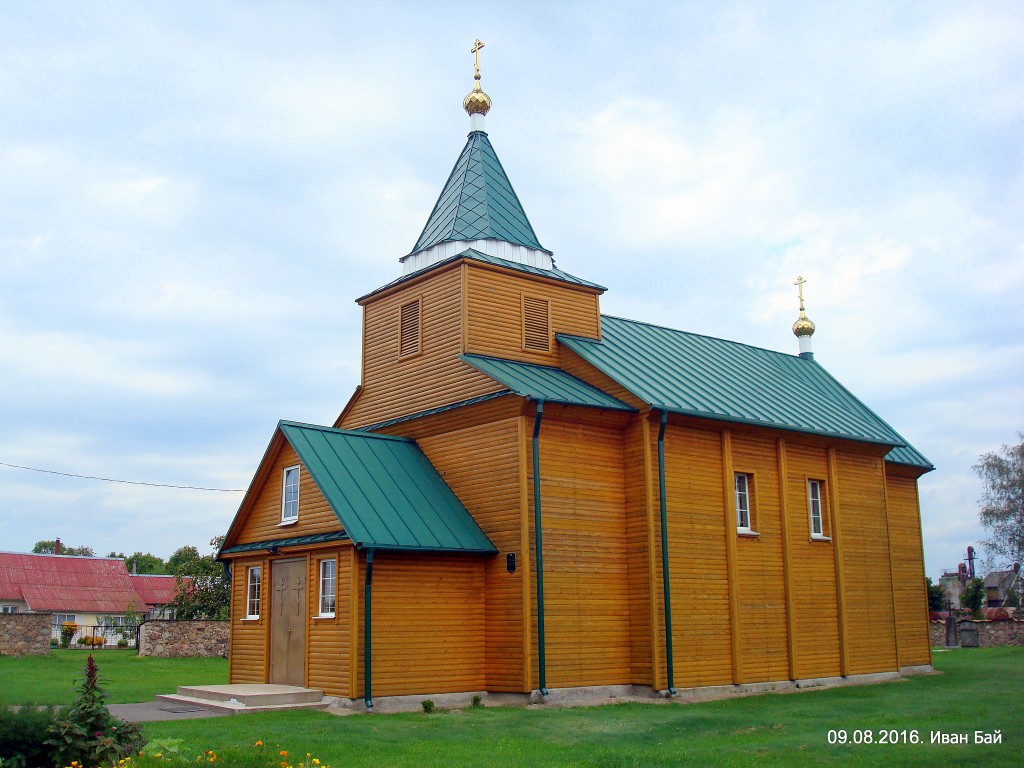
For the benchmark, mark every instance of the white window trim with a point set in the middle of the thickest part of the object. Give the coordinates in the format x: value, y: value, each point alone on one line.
x: 816, y: 535
x: 334, y: 577
x: 249, y: 599
x: 744, y: 530
x: 290, y: 520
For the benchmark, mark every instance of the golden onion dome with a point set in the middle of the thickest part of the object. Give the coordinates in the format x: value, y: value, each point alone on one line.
x: 803, y: 326
x: 476, y: 102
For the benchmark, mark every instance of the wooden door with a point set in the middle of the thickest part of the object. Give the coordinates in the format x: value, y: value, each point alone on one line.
x: 288, y: 623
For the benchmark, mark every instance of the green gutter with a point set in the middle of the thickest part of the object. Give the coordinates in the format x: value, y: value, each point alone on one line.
x: 367, y: 635
x: 662, y: 502
x: 541, y: 663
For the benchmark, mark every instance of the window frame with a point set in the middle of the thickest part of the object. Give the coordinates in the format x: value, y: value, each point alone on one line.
x: 324, y: 580
x: 253, y: 591
x: 285, y: 518
x: 819, y: 534
x: 10, y: 610
x: 748, y: 497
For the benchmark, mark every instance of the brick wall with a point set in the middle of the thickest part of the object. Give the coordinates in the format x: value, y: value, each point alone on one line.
x: 24, y: 633
x: 184, y: 638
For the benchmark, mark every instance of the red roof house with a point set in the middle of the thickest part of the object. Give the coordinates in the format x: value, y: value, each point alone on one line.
x: 88, y: 585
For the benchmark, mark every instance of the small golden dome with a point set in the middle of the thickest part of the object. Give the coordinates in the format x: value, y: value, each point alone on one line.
x: 803, y: 326
x: 477, y: 102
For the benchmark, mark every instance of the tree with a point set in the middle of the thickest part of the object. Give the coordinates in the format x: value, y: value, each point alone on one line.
x: 1002, y: 502
x: 47, y: 547
x: 201, y: 588
x: 973, y: 596
x: 936, y: 596
x: 144, y: 562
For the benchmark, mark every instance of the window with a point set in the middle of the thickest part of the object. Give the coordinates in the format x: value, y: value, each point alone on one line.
x: 536, y: 333
x: 290, y: 495
x: 409, y: 329
x: 814, y: 506
x: 743, y: 502
x: 327, y: 582
x: 252, y: 596
x: 63, y: 618
x: 8, y: 609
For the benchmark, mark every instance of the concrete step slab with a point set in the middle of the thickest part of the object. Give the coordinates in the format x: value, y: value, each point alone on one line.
x: 252, y: 695
x: 234, y: 706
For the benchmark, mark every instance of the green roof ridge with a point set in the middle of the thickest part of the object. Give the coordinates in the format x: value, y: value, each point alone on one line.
x: 478, y: 202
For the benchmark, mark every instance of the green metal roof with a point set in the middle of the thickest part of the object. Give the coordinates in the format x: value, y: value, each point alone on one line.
x: 544, y: 382
x: 478, y: 202
x: 707, y: 377
x: 484, y: 258
x: 385, y: 491
x: 435, y: 410
x: 907, y: 454
x: 295, y: 541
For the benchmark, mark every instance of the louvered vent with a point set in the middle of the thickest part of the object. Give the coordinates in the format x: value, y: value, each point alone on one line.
x: 536, y: 334
x: 409, y: 333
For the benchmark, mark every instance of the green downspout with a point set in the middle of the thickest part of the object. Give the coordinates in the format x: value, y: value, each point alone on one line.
x: 541, y: 662
x: 664, y: 555
x: 367, y: 635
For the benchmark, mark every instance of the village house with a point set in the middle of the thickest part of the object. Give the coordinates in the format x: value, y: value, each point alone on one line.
x: 90, y: 592
x: 526, y: 495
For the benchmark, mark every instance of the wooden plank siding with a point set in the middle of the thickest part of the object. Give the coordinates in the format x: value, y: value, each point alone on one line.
x: 247, y: 657
x: 428, y: 624
x: 816, y: 620
x: 481, y: 465
x: 643, y: 557
x: 394, y: 386
x: 494, y: 306
x: 586, y: 564
x: 764, y: 653
x: 702, y: 636
x: 328, y: 642
x: 870, y: 621
x: 263, y: 520
x: 909, y: 592
x: 572, y: 363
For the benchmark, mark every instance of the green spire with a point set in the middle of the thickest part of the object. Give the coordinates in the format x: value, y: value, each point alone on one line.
x: 478, y: 202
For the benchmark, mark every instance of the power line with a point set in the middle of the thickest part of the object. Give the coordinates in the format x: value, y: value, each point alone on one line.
x: 126, y: 482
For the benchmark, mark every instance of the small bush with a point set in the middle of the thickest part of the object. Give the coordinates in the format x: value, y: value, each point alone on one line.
x: 122, y: 643
x: 21, y: 739
x: 477, y: 701
x: 428, y: 706
x: 87, y: 732
x: 92, y: 642
x: 67, y: 631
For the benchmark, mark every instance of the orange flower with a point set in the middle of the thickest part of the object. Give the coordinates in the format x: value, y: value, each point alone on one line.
x: 258, y: 744
x: 284, y: 753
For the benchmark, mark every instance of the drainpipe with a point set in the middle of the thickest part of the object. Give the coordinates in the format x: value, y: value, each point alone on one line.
x: 664, y: 554
x: 367, y: 634
x: 541, y: 662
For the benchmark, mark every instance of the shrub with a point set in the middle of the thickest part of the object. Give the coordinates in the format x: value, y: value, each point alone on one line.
x: 428, y: 706
x: 20, y: 741
x: 477, y: 701
x: 92, y: 642
x: 67, y: 631
x: 122, y: 643
x: 87, y: 732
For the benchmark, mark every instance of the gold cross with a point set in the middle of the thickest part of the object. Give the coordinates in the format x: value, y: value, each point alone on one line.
x: 476, y: 50
x: 800, y: 288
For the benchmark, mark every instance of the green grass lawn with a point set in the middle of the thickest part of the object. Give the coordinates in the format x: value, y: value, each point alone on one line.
x: 128, y: 678
x: 980, y: 690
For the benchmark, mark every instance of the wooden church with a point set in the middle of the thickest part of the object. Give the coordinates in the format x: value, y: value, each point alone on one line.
x: 524, y: 495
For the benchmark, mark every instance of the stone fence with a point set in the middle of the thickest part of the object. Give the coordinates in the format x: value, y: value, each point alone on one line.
x: 184, y: 638
x: 988, y: 633
x: 24, y: 633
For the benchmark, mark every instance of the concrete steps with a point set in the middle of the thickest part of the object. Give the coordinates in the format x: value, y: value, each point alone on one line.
x: 245, y: 698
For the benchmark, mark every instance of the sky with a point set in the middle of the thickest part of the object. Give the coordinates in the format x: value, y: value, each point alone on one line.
x: 193, y: 194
